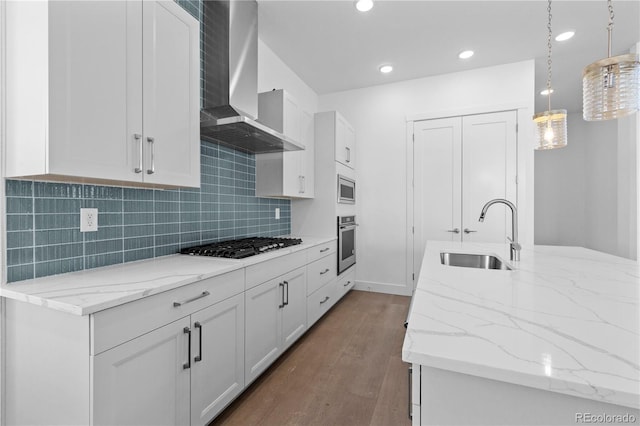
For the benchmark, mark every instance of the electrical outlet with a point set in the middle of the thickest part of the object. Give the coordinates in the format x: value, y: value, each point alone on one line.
x: 277, y: 213
x: 88, y: 220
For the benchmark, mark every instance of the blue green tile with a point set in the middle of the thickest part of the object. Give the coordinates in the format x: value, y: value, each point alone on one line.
x: 58, y: 267
x: 19, y: 273
x: 95, y: 261
x: 19, y: 188
x: 19, y: 256
x: 137, y: 194
x: 19, y: 205
x: 102, y: 192
x: 58, y: 251
x: 56, y: 190
x: 19, y: 222
x: 133, y: 255
x: 16, y: 239
x: 57, y: 236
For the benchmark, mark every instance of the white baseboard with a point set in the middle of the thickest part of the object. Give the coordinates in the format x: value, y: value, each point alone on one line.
x: 388, y: 288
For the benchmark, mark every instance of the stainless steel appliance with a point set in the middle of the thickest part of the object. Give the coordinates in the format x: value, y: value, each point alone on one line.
x: 346, y: 242
x: 239, y: 249
x: 346, y: 190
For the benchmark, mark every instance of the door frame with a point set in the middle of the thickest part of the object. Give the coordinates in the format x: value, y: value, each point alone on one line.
x: 525, y: 167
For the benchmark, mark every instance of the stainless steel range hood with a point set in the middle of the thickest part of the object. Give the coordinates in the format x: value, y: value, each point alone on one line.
x: 230, y: 101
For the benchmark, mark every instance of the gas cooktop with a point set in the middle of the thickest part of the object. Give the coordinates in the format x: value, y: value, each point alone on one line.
x: 239, y: 249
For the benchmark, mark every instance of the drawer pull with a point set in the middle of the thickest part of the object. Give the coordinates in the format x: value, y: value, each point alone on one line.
x: 347, y: 283
x: 325, y: 299
x: 281, y: 305
x: 324, y: 272
x: 193, y: 299
x: 324, y: 249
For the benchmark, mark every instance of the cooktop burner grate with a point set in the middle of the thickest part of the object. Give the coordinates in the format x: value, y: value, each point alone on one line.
x: 239, y: 249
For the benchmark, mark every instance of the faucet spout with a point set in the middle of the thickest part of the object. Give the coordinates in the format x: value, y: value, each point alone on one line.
x: 514, y: 244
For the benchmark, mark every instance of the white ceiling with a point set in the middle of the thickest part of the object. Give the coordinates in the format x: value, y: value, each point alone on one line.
x: 333, y: 47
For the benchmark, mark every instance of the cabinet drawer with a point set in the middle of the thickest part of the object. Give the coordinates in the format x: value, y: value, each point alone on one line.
x: 114, y: 326
x: 346, y: 281
x: 320, y: 272
x: 269, y: 269
x: 320, y: 302
x: 322, y: 250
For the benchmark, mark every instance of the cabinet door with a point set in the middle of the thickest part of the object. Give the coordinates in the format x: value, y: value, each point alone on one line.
x: 263, y: 328
x: 350, y: 144
x: 294, y: 314
x: 95, y: 89
x: 489, y: 164
x: 341, y: 139
x: 143, y: 381
x: 171, y: 63
x: 217, y: 374
x: 307, y: 166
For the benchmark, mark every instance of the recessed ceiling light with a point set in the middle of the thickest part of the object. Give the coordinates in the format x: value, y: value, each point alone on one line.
x: 546, y: 92
x: 565, y: 36
x: 364, y: 5
x: 386, y: 69
x: 466, y: 54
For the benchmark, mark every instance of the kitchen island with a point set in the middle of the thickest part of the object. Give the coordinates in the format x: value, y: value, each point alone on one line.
x: 555, y: 340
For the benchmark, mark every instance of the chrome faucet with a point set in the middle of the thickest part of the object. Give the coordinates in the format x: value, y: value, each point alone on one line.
x: 514, y: 247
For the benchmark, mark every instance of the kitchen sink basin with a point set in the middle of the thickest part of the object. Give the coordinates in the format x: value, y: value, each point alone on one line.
x: 466, y: 260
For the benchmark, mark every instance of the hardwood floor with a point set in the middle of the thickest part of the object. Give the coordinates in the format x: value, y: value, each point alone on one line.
x: 346, y: 370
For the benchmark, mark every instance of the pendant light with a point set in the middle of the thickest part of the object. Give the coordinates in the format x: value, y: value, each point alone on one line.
x: 551, y: 125
x: 611, y: 86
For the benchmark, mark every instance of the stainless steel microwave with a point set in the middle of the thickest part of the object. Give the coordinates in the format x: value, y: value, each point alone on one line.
x: 346, y: 190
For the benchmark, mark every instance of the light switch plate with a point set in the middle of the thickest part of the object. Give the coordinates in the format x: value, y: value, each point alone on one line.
x: 277, y: 213
x: 88, y: 220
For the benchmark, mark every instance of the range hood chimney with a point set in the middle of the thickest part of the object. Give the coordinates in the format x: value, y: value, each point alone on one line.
x: 230, y: 104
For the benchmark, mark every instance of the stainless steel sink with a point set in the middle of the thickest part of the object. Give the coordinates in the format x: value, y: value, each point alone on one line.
x: 466, y: 260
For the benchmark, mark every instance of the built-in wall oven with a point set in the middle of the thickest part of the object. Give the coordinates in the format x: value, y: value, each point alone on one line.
x: 346, y: 242
x: 346, y: 190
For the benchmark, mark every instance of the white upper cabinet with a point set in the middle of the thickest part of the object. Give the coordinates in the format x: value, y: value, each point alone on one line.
x: 103, y: 92
x: 285, y: 174
x: 345, y: 142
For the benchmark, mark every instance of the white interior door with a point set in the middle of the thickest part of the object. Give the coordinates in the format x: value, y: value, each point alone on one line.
x: 489, y: 167
x: 436, y: 168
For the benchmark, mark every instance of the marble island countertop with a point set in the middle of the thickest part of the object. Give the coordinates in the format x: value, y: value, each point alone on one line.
x: 92, y: 290
x: 565, y: 319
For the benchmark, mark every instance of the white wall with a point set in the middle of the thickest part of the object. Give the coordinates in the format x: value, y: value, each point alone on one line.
x: 379, y: 115
x: 275, y: 74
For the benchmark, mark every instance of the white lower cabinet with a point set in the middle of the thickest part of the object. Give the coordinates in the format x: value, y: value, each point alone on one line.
x: 144, y: 380
x: 217, y: 354
x: 276, y: 317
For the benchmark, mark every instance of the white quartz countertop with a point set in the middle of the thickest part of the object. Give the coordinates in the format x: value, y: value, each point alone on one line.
x: 93, y: 290
x: 566, y: 319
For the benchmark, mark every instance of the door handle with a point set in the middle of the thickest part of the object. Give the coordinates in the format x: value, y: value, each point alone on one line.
x: 282, y: 304
x: 187, y: 364
x: 199, y: 327
x: 286, y: 283
x: 152, y: 170
x: 138, y: 137
x: 454, y: 230
x: 468, y: 231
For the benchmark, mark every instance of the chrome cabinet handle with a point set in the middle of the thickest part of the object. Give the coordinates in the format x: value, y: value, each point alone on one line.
x: 325, y: 299
x: 152, y: 170
x: 324, y: 249
x: 193, y: 299
x: 282, y: 304
x: 346, y: 284
x: 454, y: 230
x: 348, y: 154
x: 324, y: 272
x: 410, y: 396
x: 138, y: 137
x: 199, y: 327
x: 468, y: 231
x: 187, y: 364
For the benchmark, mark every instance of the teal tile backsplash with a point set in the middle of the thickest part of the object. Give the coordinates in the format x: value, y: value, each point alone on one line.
x: 43, y: 218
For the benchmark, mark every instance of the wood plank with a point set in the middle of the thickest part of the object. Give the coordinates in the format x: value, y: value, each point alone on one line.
x: 346, y: 370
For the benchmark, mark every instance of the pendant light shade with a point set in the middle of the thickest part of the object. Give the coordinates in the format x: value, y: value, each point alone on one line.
x: 551, y: 125
x: 611, y: 88
x: 551, y: 129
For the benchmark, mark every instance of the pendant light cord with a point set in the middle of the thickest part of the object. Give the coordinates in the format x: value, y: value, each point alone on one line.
x: 549, y: 56
x: 610, y: 26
